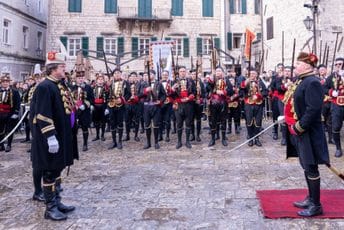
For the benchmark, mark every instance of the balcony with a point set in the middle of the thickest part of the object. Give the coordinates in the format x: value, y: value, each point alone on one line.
x: 126, y: 14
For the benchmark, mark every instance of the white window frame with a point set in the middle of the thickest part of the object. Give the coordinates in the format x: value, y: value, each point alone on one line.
x: 206, y: 46
x: 178, y: 46
x: 26, y: 37
x: 236, y: 35
x: 40, y: 6
x: 237, y: 6
x: 145, y: 45
x: 112, y: 45
x: 75, y: 50
x: 9, y: 31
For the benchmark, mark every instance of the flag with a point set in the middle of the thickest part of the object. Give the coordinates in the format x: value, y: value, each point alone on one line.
x: 250, y: 36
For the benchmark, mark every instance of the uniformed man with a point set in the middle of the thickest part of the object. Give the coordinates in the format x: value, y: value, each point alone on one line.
x: 100, y: 99
x: 119, y: 94
x: 218, y: 90
x: 166, y: 109
x: 25, y: 100
x: 310, y: 137
x: 132, y: 119
x: 276, y: 97
x: 184, y: 91
x: 9, y: 110
x: 255, y: 92
x: 200, y: 98
x: 233, y: 103
x: 335, y: 89
x: 52, y: 118
x: 154, y: 97
x: 84, y: 98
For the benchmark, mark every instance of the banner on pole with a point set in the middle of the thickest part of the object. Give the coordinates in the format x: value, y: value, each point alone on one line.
x: 160, y: 56
x: 250, y: 36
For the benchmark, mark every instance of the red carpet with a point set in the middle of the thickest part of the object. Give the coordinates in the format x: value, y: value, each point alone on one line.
x: 279, y: 203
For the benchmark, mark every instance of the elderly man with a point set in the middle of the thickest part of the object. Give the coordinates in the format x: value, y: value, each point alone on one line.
x: 52, y: 118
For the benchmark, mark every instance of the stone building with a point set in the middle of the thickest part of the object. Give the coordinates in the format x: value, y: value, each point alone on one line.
x: 23, y: 35
x: 288, y: 17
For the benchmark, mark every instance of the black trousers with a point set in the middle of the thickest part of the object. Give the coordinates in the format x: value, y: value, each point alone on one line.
x: 337, y: 113
x: 166, y: 112
x: 6, y: 126
x: 152, y: 113
x: 132, y: 118
x: 234, y: 114
x: 218, y: 115
x: 49, y: 176
x: 184, y: 113
x: 254, y: 117
x: 117, y: 118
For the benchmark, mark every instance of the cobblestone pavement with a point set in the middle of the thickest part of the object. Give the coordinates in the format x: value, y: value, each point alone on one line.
x: 201, y: 188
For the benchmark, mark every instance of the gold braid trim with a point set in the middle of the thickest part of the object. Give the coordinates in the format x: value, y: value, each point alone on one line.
x: 44, y: 118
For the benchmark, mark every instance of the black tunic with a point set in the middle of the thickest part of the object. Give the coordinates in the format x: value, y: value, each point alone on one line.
x: 49, y: 117
x: 311, y: 140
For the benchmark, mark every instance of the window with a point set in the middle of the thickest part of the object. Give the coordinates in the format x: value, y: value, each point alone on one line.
x: 206, y: 48
x: 207, y: 8
x: 257, y: 6
x: 237, y: 41
x: 270, y: 28
x: 74, y: 6
x: 25, y: 37
x: 110, y: 6
x: 144, y: 45
x: 40, y: 6
x: 27, y: 2
x: 237, y: 6
x: 110, y: 45
x: 24, y: 75
x: 145, y: 8
x: 6, y: 31
x: 177, y: 7
x: 178, y: 46
x: 74, y: 45
x: 39, y: 40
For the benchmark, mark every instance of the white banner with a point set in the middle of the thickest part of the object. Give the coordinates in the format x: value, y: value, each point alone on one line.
x: 160, y: 54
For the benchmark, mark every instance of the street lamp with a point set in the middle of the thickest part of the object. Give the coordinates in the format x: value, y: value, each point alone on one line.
x: 308, y: 23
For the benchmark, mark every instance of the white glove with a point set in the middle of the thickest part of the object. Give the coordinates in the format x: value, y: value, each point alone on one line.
x: 27, y: 108
x: 53, y: 144
x: 280, y: 119
x: 82, y: 107
x: 286, y: 85
x: 334, y: 93
x: 14, y: 116
x: 106, y: 112
x: 92, y: 107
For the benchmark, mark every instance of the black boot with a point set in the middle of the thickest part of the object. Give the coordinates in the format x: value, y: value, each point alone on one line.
x: 148, y: 136
x: 8, y: 148
x: 212, y: 140
x: 174, y: 130
x: 179, y: 143
x: 58, y: 183
x: 284, y: 134
x: 136, y: 138
x: 127, y: 129
x: 114, y: 142
x: 275, y: 132
x: 156, y: 138
x: 237, y: 129
x: 256, y: 140
x: 37, y: 182
x: 120, y: 136
x: 306, y: 202
x: 198, y: 131
x: 229, y: 129
x: 2, y: 147
x: 224, y: 140
x: 217, y: 137
x: 192, y: 131
x: 314, y: 208
x: 103, y: 132
x: 63, y: 208
x: 250, y: 134
x: 330, y: 139
x: 97, y: 133
x: 167, y: 138
x: 85, y: 136
x: 187, y: 143
x: 336, y: 138
x: 52, y: 212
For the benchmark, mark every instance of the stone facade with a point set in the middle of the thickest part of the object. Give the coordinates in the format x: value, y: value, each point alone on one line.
x: 23, y: 32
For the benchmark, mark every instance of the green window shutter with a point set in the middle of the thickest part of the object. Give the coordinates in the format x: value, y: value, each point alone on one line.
x: 120, y: 45
x: 231, y: 6
x: 74, y: 5
x: 243, y: 7
x: 177, y: 8
x: 64, y: 41
x: 100, y: 46
x: 154, y: 39
x: 229, y: 41
x: 167, y: 39
x: 207, y: 7
x: 110, y: 6
x: 217, y: 42
x: 145, y: 8
x: 85, y: 46
x: 134, y: 47
x: 199, y: 46
x: 186, y: 45
x: 256, y: 6
x: 259, y: 37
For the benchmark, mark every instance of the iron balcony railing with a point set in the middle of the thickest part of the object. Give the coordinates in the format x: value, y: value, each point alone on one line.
x: 134, y: 13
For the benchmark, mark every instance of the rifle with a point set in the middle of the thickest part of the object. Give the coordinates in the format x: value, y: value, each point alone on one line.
x: 148, y: 72
x: 173, y: 67
x: 283, y: 48
x: 293, y: 59
x: 192, y: 65
x: 159, y: 66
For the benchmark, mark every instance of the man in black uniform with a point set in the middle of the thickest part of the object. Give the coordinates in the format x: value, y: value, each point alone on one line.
x: 335, y: 89
x: 166, y: 109
x: 9, y: 110
x: 155, y: 96
x: 276, y: 97
x: 25, y: 100
x: 84, y: 98
x: 119, y: 94
x: 52, y: 117
x: 311, y: 141
x: 100, y: 99
x: 234, y: 109
x: 184, y: 91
